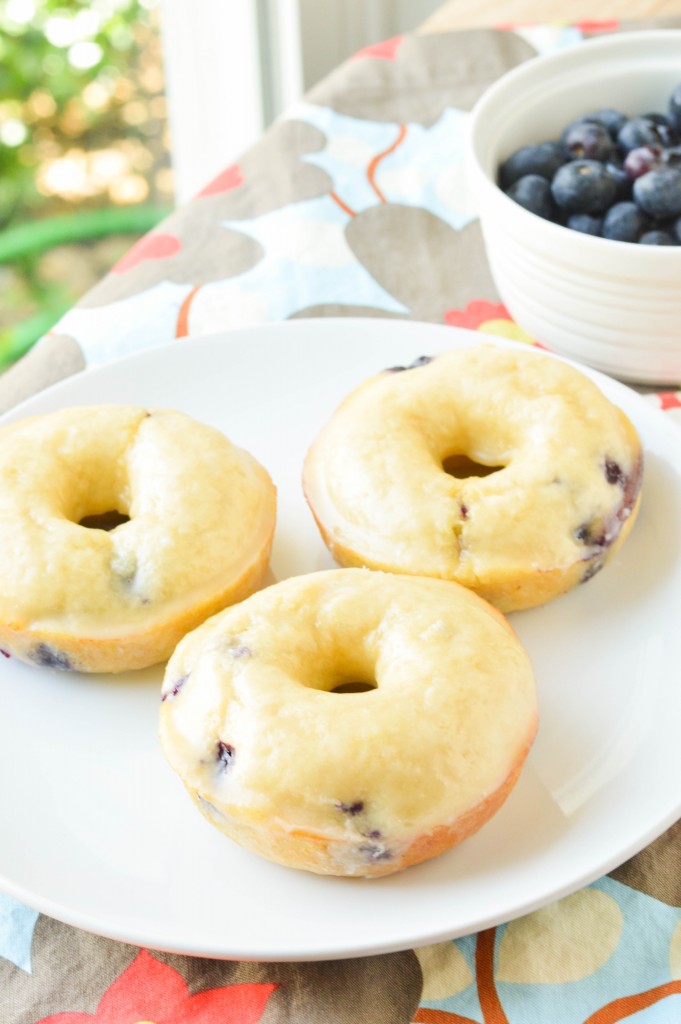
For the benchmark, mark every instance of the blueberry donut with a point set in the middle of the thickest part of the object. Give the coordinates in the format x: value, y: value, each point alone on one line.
x: 121, y: 530
x: 350, y: 722
x: 505, y: 470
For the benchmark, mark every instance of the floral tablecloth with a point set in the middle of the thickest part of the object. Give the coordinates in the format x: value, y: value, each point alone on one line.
x: 353, y: 203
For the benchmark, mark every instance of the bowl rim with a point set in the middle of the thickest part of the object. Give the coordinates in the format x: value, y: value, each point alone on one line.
x: 557, y: 62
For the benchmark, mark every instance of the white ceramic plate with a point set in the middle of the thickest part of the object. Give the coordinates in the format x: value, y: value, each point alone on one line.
x: 99, y: 833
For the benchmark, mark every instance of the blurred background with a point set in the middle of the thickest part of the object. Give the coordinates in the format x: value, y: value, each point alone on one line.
x: 112, y: 111
x: 84, y: 151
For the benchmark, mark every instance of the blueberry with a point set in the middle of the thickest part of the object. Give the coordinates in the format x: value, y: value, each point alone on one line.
x: 611, y: 174
x: 614, y: 473
x: 356, y: 807
x: 583, y: 534
x: 420, y: 361
x: 621, y: 179
x: 657, y: 238
x: 543, y: 159
x: 585, y: 223
x: 659, y: 192
x: 670, y: 137
x: 592, y: 537
x: 225, y: 755
x: 672, y: 156
x: 667, y: 132
x: 175, y: 689
x: 374, y: 852
x: 241, y: 651
x: 583, y: 186
x: 642, y: 159
x: 592, y: 569
x: 534, y: 193
x: 624, y: 222
x: 51, y: 657
x: 674, y: 109
x: 599, y: 534
x: 639, y: 131
x: 610, y: 118
x: 588, y: 140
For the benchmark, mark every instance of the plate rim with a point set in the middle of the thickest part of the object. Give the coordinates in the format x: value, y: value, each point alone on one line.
x: 209, y: 343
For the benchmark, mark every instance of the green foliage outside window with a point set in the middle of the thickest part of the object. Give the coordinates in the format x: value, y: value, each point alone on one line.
x: 83, y: 153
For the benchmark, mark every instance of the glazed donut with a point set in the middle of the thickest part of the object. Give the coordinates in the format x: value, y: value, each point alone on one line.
x: 350, y: 722
x: 503, y: 469
x: 122, y: 529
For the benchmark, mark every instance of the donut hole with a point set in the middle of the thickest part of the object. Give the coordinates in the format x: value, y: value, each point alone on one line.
x: 354, y: 686
x: 104, y: 520
x: 461, y: 467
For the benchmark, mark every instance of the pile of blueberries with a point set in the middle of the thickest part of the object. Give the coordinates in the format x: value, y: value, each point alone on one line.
x: 608, y: 175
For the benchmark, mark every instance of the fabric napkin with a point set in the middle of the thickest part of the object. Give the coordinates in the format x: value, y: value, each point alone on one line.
x: 353, y: 203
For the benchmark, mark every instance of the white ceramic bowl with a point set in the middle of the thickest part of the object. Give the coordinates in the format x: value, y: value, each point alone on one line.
x: 613, y: 305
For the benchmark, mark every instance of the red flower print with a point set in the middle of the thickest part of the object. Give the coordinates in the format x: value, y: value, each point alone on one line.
x: 589, y: 28
x: 149, y: 992
x: 490, y: 318
x: 477, y: 312
x: 227, y: 180
x: 387, y: 50
x: 155, y: 246
x: 592, y: 28
x: 669, y: 399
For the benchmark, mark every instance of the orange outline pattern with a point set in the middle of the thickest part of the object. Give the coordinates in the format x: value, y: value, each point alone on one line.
x: 618, y: 1009
x: 344, y: 206
x: 371, y: 169
x: 494, y: 1013
x: 182, y: 325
